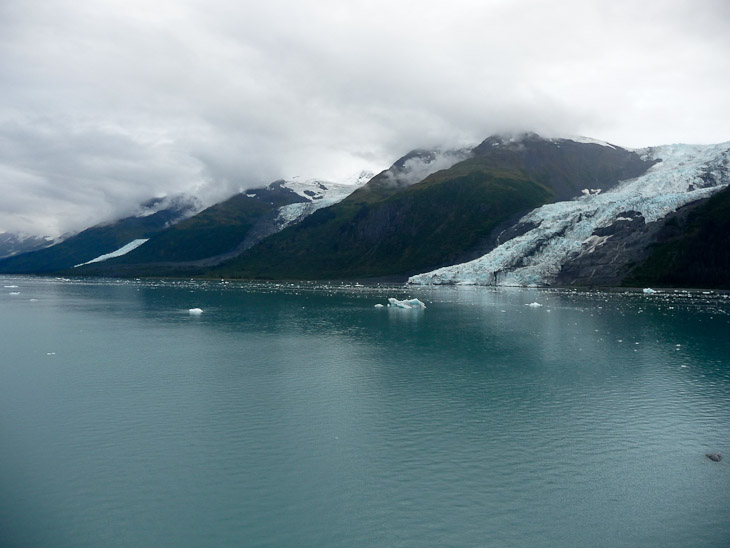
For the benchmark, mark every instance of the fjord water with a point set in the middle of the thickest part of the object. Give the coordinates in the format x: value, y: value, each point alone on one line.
x: 300, y: 415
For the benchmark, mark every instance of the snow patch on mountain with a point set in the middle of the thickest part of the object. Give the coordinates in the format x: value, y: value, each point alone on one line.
x: 15, y: 243
x: 358, y: 179
x: 683, y: 174
x: 318, y: 194
x: 589, y: 141
x: 131, y: 246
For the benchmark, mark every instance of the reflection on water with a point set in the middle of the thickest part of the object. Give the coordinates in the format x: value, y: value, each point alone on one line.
x: 302, y: 415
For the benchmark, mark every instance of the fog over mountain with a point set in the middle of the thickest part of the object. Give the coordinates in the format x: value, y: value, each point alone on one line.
x: 106, y: 104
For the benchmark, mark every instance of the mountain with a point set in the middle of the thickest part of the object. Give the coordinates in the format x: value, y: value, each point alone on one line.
x: 515, y: 210
x: 692, y: 249
x: 395, y: 226
x: 154, y: 216
x: 225, y: 230
x: 599, y: 238
x: 15, y: 244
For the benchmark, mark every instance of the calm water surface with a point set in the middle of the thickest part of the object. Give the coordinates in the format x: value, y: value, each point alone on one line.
x: 303, y: 416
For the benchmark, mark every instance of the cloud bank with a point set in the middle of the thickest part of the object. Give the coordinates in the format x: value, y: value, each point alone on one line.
x: 106, y: 104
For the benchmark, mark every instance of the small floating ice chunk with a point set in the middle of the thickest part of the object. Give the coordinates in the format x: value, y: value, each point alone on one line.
x: 11, y: 287
x: 379, y: 306
x: 14, y: 293
x: 407, y: 303
x: 648, y: 291
x: 195, y: 311
x: 534, y: 305
x: 34, y: 300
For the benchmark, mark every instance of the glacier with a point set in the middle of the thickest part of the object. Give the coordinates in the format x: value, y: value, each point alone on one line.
x: 134, y: 244
x: 682, y: 174
x: 318, y: 194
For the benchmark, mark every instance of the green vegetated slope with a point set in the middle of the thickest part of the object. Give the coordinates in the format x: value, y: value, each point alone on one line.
x: 88, y: 244
x: 216, y: 230
x: 565, y: 166
x: 694, y: 251
x: 384, y: 229
x: 426, y: 225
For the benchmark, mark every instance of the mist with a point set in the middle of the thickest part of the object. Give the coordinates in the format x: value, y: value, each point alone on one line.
x: 104, y: 105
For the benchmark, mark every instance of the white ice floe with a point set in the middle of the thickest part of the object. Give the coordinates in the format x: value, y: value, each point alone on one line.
x: 14, y: 293
x: 682, y: 174
x: 648, y: 291
x: 131, y: 246
x: 379, y: 306
x: 11, y: 287
x: 407, y: 303
x: 195, y: 311
x: 534, y: 305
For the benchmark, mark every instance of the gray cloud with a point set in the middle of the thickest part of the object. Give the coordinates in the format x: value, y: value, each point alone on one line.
x: 420, y: 166
x: 105, y: 104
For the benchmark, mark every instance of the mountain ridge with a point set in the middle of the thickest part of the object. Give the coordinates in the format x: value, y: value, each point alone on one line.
x: 513, y: 210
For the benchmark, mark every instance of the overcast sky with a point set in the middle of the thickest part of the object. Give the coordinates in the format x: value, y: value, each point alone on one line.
x: 104, y: 104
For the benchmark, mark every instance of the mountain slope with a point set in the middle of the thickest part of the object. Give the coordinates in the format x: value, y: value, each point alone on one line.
x: 99, y: 240
x: 226, y: 229
x: 15, y: 244
x: 389, y: 237
x: 388, y: 228
x: 692, y: 250
x: 567, y: 232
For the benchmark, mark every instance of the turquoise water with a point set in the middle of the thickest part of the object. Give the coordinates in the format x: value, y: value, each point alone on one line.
x: 300, y: 415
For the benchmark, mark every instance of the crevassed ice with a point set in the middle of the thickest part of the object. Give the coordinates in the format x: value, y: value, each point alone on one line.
x: 318, y: 193
x: 686, y: 173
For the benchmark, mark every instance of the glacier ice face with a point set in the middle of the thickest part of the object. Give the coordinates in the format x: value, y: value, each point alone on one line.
x: 683, y: 174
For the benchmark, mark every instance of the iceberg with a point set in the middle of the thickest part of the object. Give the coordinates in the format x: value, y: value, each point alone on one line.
x: 195, y: 311
x: 534, y: 305
x: 648, y: 291
x: 407, y: 303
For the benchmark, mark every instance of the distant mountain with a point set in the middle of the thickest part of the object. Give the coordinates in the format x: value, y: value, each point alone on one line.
x: 225, y: 230
x: 155, y: 215
x: 15, y: 244
x: 516, y: 210
x: 392, y: 227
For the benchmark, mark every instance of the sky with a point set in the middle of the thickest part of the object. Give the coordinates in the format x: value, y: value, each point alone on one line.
x: 107, y: 103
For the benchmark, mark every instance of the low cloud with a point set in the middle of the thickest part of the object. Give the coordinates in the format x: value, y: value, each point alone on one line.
x: 424, y: 163
x: 106, y: 104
